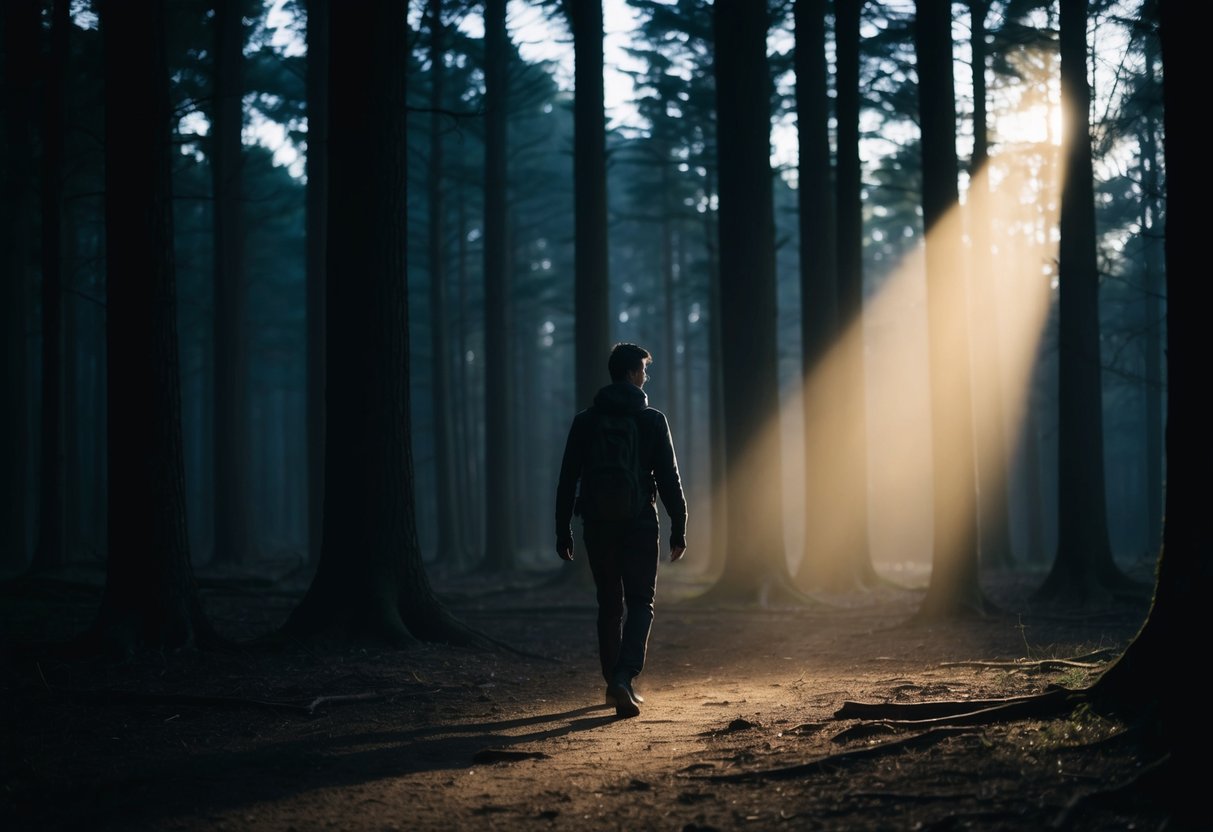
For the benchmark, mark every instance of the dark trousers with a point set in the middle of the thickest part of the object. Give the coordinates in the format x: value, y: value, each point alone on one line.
x: 624, y: 564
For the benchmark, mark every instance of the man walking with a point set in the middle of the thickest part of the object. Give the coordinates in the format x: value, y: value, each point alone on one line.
x: 620, y: 453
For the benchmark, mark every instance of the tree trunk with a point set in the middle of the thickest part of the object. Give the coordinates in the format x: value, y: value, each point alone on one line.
x: 317, y: 252
x: 848, y: 398
x: 20, y: 37
x: 1151, y: 230
x: 370, y: 581
x: 830, y: 560
x: 231, y: 429
x: 499, y: 552
x: 590, y: 294
x: 992, y: 470
x: 719, y: 504
x: 954, y: 587
x: 468, y: 455
x: 49, y: 551
x: 1141, y: 682
x: 755, y: 567
x: 449, y: 544
x: 150, y: 598
x: 1083, y: 570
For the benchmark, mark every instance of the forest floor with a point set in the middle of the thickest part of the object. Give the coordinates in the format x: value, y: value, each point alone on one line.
x: 436, y: 737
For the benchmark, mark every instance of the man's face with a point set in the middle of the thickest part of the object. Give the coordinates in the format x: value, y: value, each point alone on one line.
x: 639, y: 377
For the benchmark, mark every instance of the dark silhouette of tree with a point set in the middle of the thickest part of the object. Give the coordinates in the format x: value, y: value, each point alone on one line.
x: 498, y: 407
x: 1141, y: 682
x: 370, y: 581
x: 850, y: 404
x: 993, y: 525
x: 19, y: 35
x: 1083, y: 569
x: 231, y: 400
x: 954, y: 586
x: 449, y: 543
x: 827, y: 561
x: 591, y: 324
x: 50, y: 551
x: 755, y: 568
x: 1151, y: 226
x: 150, y: 598
x: 317, y: 252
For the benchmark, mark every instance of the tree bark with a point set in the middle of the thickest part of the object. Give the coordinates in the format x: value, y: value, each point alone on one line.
x: 49, y: 552
x: 150, y: 598
x: 992, y: 469
x: 317, y: 252
x: 755, y: 567
x: 449, y: 544
x: 231, y: 427
x: 1152, y: 310
x: 590, y: 294
x: 831, y: 559
x: 849, y: 399
x: 499, y: 552
x: 1138, y: 682
x: 20, y: 36
x: 1083, y: 570
x: 954, y: 587
x: 370, y: 582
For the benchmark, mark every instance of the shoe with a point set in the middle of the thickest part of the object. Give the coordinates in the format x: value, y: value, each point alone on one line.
x: 620, y: 694
x: 636, y: 697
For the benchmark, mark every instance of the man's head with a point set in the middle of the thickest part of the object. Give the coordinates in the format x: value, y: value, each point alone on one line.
x: 628, y: 362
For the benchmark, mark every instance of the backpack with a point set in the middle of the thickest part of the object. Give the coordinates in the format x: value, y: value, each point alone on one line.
x: 610, y: 479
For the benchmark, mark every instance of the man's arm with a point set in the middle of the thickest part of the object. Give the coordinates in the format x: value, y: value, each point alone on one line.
x: 566, y: 492
x: 669, y: 486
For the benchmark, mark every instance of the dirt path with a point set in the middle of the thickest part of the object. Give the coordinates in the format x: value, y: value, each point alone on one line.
x: 456, y: 739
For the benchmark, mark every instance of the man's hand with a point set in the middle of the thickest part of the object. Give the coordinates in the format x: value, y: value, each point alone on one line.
x: 676, y: 553
x: 564, y: 548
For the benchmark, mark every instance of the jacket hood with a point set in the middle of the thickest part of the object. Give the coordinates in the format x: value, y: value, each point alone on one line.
x: 621, y: 397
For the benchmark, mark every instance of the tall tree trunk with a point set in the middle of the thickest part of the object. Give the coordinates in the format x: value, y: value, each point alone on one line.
x: 1137, y: 683
x: 370, y: 581
x: 1083, y: 570
x: 831, y: 558
x: 468, y: 455
x: 317, y: 253
x: 668, y: 361
x: 1152, y: 311
x: 954, y: 586
x: 849, y: 401
x: 20, y: 29
x: 993, y: 520
x: 49, y: 551
x: 590, y: 293
x: 719, y: 503
x: 150, y: 598
x: 449, y: 544
x: 755, y: 567
x: 231, y: 437
x: 499, y: 552
x: 1034, y: 486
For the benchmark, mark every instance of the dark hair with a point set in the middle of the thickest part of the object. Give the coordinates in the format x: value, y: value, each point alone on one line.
x: 626, y: 358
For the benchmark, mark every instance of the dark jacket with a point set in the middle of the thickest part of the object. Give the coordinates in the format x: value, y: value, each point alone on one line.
x: 659, y: 466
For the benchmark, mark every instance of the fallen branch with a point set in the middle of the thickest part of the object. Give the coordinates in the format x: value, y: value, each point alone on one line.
x: 1042, y: 705
x: 917, y: 711
x: 842, y: 759
x: 1041, y: 666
